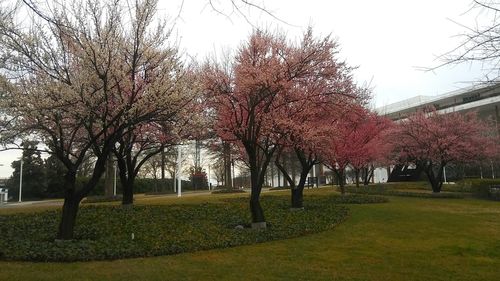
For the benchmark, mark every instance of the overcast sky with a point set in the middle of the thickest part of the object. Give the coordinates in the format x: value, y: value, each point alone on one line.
x: 388, y: 40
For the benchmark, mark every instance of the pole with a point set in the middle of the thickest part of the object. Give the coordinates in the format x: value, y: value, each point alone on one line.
x: 233, y: 175
x: 314, y: 176
x: 492, y: 170
x: 444, y: 174
x: 21, y: 181
x: 208, y: 177
x: 114, y: 183
x: 179, y: 181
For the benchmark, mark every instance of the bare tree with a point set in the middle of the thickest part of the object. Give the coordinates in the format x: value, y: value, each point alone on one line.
x: 480, y: 42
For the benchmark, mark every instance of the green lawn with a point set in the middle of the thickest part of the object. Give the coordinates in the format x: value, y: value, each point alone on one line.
x: 405, y: 239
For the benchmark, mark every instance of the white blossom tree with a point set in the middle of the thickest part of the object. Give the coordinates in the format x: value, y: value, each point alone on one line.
x: 80, y: 75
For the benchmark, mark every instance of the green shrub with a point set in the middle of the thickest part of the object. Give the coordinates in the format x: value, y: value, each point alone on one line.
x: 380, y: 190
x: 479, y: 187
x: 110, y: 232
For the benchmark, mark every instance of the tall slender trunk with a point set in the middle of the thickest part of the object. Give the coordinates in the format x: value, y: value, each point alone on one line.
x: 258, y: 166
x: 226, y: 148
x: 109, y: 176
x: 368, y: 174
x: 163, y: 164
x: 340, y: 173
x: 255, y: 207
x: 356, y: 175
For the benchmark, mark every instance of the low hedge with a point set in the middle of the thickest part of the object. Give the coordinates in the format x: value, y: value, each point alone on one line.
x: 358, y: 199
x: 280, y: 188
x: 110, y: 232
x: 228, y: 190
x: 380, y: 190
x: 478, y: 187
x: 102, y: 199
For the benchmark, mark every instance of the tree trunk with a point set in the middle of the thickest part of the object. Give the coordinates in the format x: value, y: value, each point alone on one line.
x: 298, y: 198
x: 340, y: 175
x: 356, y: 175
x: 68, y: 219
x: 70, y: 209
x: 226, y: 150
x: 127, y: 182
x: 128, y: 193
x: 368, y: 174
x: 256, y: 208
x: 163, y: 164
x: 257, y: 170
x: 435, y: 181
x: 108, y: 180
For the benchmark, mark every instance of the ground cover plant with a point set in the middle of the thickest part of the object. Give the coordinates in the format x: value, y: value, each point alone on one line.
x: 111, y: 232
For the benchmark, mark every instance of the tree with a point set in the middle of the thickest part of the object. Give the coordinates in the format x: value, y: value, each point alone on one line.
x: 367, y: 144
x: 81, y: 76
x: 304, y: 126
x: 248, y: 95
x: 336, y: 151
x: 53, y: 171
x: 34, y: 184
x: 432, y: 140
x: 480, y: 43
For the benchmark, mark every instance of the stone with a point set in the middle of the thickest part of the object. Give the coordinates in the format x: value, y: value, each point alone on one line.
x: 259, y: 225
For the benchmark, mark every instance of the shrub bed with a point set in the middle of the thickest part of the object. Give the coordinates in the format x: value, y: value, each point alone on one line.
x: 110, y: 232
x: 379, y: 190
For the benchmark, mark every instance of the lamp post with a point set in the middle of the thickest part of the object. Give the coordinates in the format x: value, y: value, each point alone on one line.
x: 114, y: 183
x: 232, y: 178
x: 179, y: 180
x: 444, y: 175
x: 21, y: 181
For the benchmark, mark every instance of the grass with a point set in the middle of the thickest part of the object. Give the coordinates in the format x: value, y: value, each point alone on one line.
x: 405, y: 239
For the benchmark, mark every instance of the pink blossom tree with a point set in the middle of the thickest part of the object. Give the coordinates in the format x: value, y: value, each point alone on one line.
x: 338, y: 151
x: 368, y: 144
x: 306, y: 127
x: 249, y: 93
x: 433, y: 140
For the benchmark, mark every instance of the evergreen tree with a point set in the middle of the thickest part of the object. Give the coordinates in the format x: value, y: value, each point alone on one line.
x: 34, y: 184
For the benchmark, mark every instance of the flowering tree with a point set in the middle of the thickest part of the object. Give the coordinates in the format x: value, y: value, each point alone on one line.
x: 81, y: 76
x: 335, y: 153
x: 305, y: 128
x: 433, y: 140
x: 248, y: 95
x: 368, y: 144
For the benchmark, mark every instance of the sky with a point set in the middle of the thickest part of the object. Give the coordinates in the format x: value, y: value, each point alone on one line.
x: 388, y: 41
